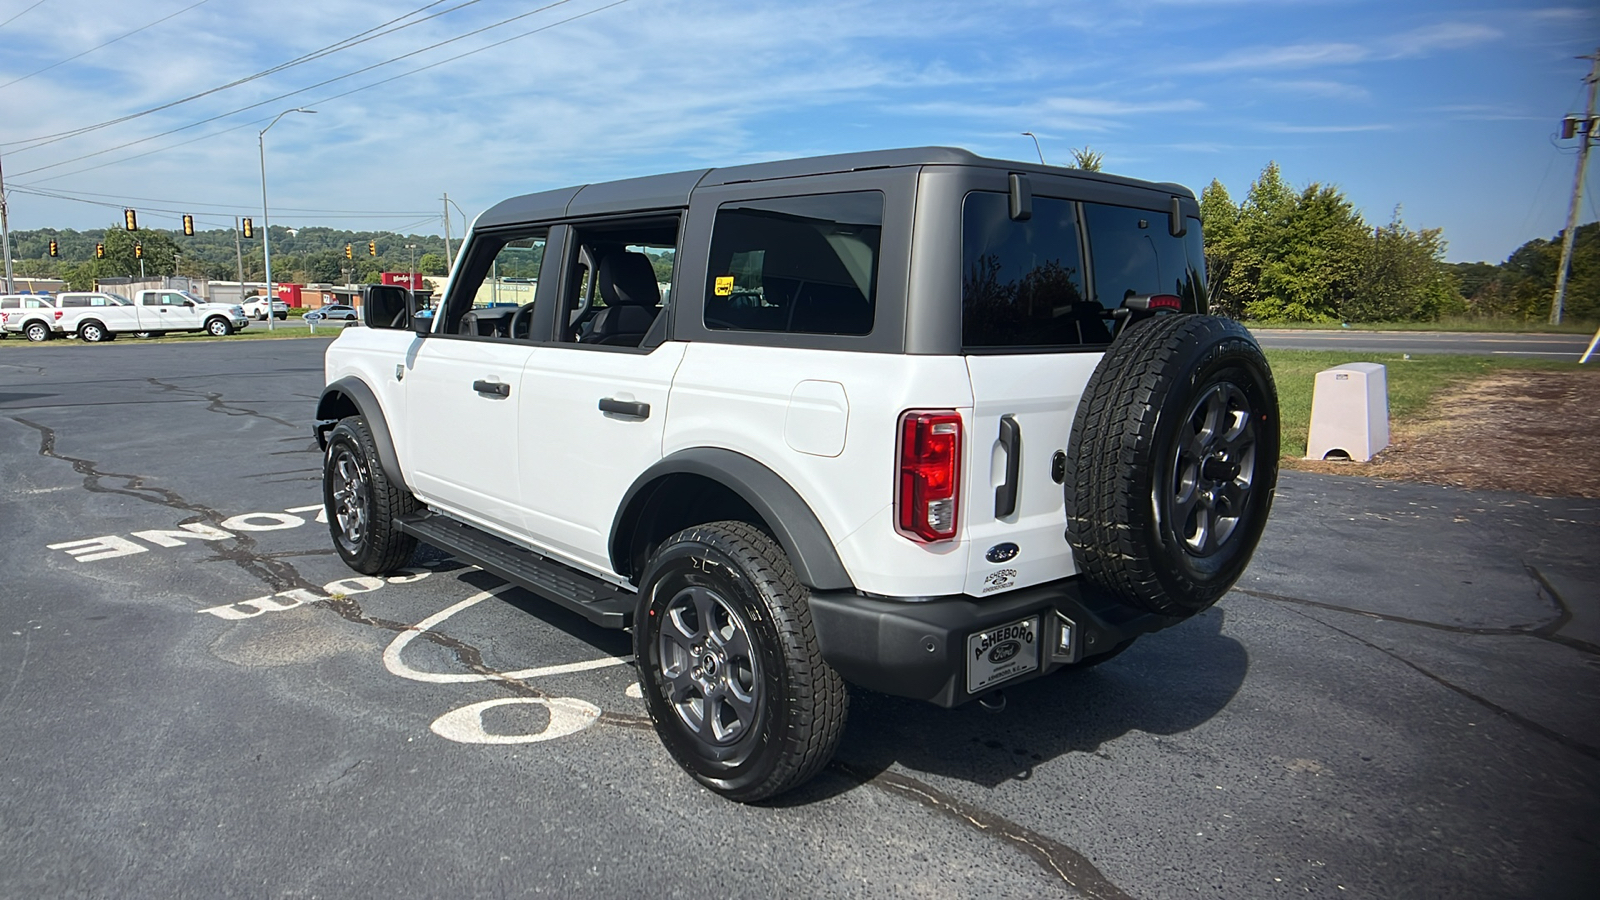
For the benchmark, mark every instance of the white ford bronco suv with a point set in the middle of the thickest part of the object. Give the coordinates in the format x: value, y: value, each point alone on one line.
x: 915, y: 420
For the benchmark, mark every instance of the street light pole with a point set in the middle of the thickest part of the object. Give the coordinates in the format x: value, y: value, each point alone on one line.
x: 411, y: 273
x: 1036, y: 146
x: 266, y: 224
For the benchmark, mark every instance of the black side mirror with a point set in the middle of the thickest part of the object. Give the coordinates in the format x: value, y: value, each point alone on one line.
x: 386, y: 306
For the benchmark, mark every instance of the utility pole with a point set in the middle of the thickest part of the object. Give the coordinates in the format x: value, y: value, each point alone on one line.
x: 238, y: 249
x: 449, y: 262
x: 1587, y: 133
x: 5, y: 231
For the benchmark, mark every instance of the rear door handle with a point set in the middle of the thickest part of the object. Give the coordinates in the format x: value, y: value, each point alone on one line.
x: 630, y: 409
x: 1005, y: 496
x: 492, y: 388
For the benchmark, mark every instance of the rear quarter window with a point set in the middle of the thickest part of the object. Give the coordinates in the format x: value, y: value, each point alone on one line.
x: 1134, y: 253
x: 804, y: 265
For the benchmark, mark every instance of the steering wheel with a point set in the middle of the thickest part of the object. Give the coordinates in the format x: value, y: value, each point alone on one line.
x: 524, y: 309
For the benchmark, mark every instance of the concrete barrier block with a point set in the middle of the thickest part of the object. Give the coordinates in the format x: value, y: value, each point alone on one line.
x: 1349, y: 412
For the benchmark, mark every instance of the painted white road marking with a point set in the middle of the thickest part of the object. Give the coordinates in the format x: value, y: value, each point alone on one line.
x: 106, y: 547
x: 568, y: 715
x: 358, y: 584
x: 322, y: 512
x: 190, y: 531
x: 634, y: 691
x: 397, y: 666
x: 275, y: 522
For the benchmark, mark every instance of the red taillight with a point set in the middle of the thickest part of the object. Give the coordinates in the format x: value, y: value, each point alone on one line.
x: 58, y: 314
x: 927, y: 499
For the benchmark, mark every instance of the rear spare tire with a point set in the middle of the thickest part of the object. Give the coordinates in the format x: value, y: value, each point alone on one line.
x: 1173, y: 463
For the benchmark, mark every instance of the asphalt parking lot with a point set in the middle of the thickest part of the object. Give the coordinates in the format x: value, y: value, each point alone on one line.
x: 199, y: 699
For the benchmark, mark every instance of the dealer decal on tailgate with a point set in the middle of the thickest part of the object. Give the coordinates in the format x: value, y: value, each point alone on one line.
x: 1002, y: 653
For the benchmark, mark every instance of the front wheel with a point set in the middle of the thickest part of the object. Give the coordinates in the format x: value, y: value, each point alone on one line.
x: 362, y: 504
x: 729, y: 664
x: 219, y: 328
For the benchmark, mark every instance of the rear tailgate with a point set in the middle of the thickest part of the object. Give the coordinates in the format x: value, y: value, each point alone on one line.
x: 1039, y: 393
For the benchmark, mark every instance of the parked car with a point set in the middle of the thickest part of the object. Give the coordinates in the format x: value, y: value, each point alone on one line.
x: 256, y: 308
x: 30, y: 315
x: 96, y: 316
x: 916, y: 420
x: 337, y: 311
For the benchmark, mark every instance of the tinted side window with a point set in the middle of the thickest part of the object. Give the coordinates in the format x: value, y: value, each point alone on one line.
x: 797, y: 264
x: 1134, y: 253
x: 10, y: 303
x: 1022, y: 282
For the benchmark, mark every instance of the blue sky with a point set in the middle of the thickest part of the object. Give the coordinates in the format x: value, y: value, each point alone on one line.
x: 1448, y: 109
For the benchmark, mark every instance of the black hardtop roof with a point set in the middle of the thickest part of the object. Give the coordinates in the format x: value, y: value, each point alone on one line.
x: 672, y: 190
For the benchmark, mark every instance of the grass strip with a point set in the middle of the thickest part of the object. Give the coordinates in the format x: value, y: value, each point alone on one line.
x: 1413, y: 382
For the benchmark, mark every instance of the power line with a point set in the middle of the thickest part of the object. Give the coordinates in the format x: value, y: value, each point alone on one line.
x: 187, y: 204
x: 294, y: 92
x: 106, y: 44
x: 344, y: 44
x: 340, y: 78
x: 19, y: 15
x: 180, y: 212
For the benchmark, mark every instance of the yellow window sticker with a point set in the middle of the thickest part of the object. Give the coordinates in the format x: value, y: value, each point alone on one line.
x: 724, y: 286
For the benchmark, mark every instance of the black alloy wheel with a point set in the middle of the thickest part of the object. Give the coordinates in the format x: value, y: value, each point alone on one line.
x: 362, y: 504
x: 729, y: 665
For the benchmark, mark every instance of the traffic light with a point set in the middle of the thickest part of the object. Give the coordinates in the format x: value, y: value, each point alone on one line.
x: 188, y: 225
x: 249, y: 230
x: 348, y: 252
x: 53, y: 249
x: 372, y: 248
x: 138, y: 251
x: 99, y: 251
x: 131, y: 220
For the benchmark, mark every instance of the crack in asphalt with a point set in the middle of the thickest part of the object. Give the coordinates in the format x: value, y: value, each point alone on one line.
x: 1056, y: 858
x: 218, y: 405
x: 274, y: 573
x: 1548, y: 631
x: 1573, y: 744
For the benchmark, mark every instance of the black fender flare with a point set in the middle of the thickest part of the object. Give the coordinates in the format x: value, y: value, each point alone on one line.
x: 792, y: 523
x: 358, y: 394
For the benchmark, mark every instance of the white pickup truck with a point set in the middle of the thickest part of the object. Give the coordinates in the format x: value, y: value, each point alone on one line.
x: 97, y: 316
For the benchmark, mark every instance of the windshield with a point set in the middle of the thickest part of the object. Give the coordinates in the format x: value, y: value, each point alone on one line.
x: 120, y: 300
x: 190, y: 296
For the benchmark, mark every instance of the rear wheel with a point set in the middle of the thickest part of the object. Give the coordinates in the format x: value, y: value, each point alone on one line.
x: 37, y: 332
x: 729, y: 664
x: 219, y: 327
x: 1173, y: 463
x: 362, y: 504
x: 93, y: 332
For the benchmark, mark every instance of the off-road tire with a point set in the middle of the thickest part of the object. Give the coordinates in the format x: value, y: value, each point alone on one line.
x: 800, y: 702
x: 37, y: 332
x: 354, y: 484
x: 1136, y: 450
x: 219, y: 327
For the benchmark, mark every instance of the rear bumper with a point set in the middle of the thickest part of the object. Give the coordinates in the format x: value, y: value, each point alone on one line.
x: 919, y: 649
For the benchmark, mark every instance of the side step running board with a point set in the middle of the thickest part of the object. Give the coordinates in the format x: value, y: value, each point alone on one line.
x: 600, y: 602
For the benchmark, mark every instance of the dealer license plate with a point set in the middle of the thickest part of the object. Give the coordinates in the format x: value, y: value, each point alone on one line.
x: 1002, y: 653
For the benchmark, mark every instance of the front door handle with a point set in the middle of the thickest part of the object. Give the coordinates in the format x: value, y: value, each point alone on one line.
x: 629, y: 409
x: 492, y: 388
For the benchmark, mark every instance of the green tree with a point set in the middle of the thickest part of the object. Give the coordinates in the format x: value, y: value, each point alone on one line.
x: 1086, y: 159
x: 158, y: 252
x: 1219, y: 222
x: 432, y: 264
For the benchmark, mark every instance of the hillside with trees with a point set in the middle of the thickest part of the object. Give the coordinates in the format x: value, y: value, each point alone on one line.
x: 1521, y: 287
x: 303, y: 255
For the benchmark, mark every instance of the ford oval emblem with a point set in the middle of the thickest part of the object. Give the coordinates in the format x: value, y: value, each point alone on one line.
x: 1004, y: 651
x: 1000, y: 553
